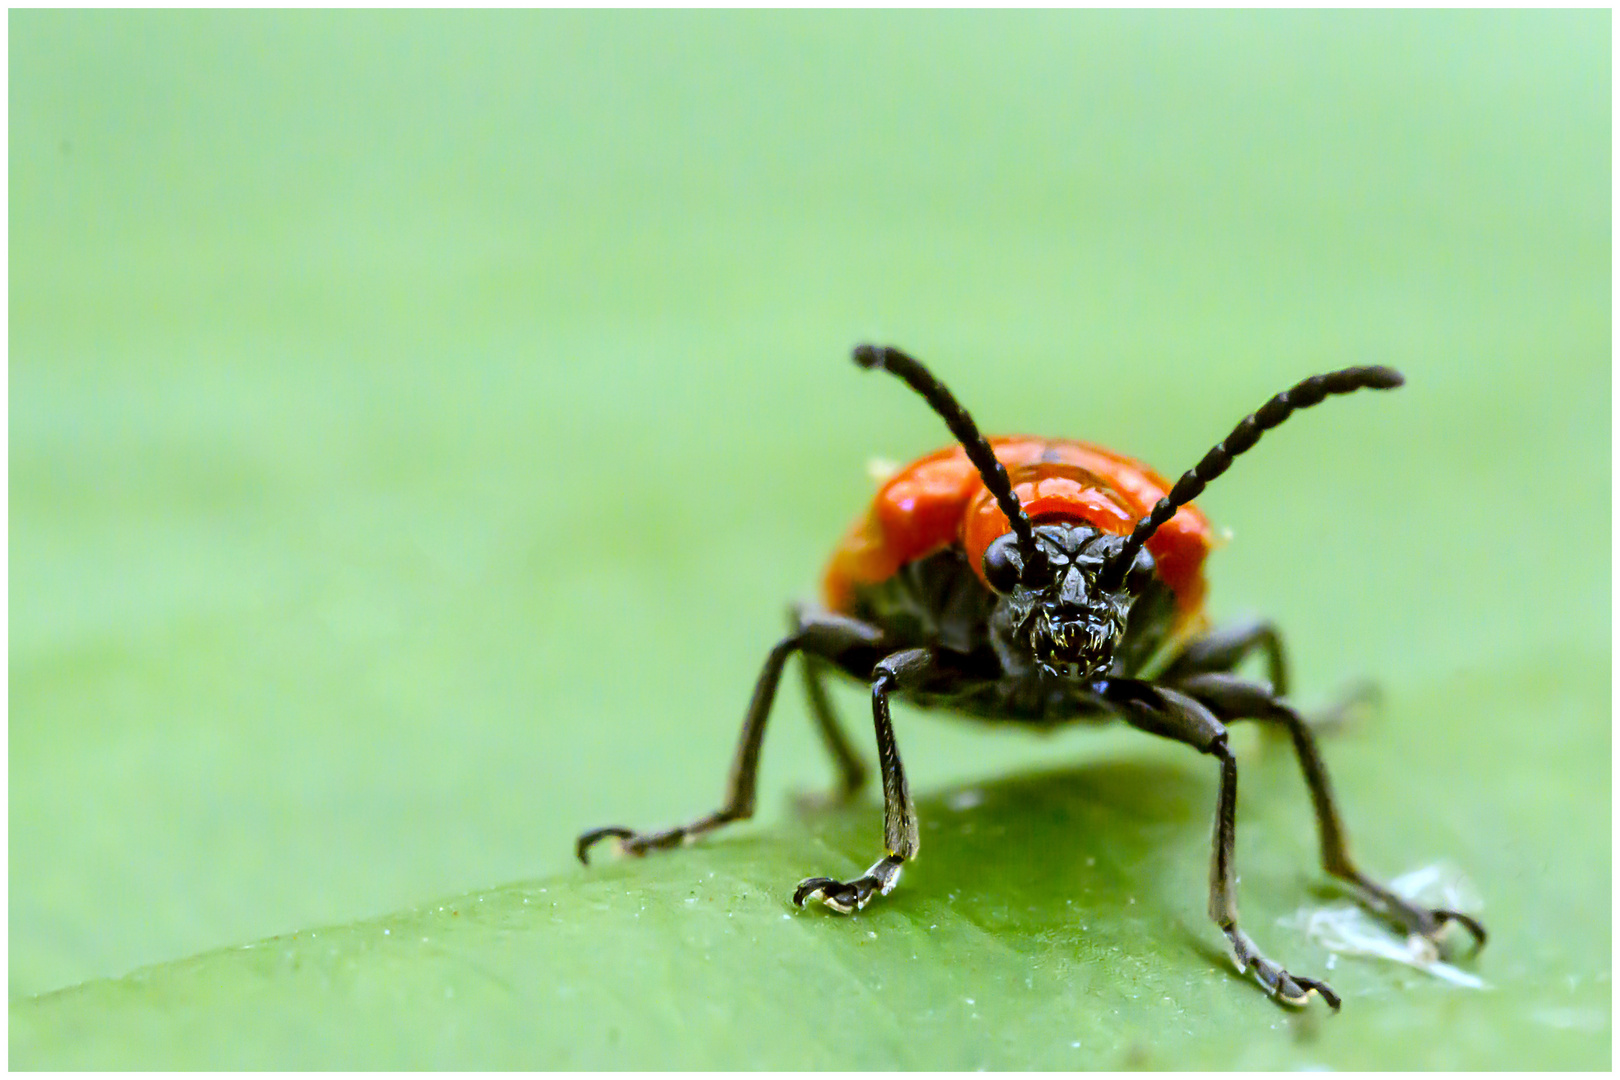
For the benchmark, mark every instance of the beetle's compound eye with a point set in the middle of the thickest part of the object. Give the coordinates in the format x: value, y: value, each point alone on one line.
x: 1140, y: 573
x: 1003, y: 564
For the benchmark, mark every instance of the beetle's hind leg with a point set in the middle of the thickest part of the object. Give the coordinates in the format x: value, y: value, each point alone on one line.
x: 819, y: 635
x: 852, y: 773
x: 1232, y: 698
x: 1163, y: 711
x: 899, y: 671
x: 851, y: 770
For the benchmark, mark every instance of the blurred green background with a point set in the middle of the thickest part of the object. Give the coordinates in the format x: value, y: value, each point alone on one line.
x: 420, y: 422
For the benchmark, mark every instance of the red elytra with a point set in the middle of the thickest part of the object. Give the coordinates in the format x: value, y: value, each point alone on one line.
x: 940, y: 499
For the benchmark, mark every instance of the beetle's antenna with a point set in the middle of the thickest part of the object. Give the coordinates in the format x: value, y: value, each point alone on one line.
x: 967, y: 433
x: 1302, y: 395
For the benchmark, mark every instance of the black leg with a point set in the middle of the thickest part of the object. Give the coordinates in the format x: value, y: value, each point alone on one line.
x: 1232, y: 699
x: 900, y: 671
x: 851, y: 770
x: 1224, y: 648
x: 822, y: 635
x: 1163, y: 711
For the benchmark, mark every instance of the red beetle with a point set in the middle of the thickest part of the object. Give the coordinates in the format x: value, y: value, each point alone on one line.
x: 1043, y: 581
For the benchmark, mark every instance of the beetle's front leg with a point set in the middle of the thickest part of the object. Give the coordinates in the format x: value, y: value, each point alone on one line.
x: 1174, y: 715
x: 900, y: 671
x: 823, y: 634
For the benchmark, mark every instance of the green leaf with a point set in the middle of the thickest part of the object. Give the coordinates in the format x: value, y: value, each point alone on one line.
x: 1055, y: 920
x: 419, y: 422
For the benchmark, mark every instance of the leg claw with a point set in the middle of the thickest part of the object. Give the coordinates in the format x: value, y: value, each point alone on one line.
x: 1441, y: 917
x: 1427, y: 923
x: 847, y: 897
x: 587, y: 840
x: 630, y: 841
x: 1293, y: 990
x: 1303, y: 987
x: 844, y: 897
x: 1430, y: 924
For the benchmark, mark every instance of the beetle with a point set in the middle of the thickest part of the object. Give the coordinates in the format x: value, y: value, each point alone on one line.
x: 1040, y: 582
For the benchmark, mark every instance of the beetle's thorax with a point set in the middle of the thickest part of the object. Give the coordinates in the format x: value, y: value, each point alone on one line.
x: 1063, y: 623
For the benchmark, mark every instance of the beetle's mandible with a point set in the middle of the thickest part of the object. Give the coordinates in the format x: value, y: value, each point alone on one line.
x: 1043, y: 581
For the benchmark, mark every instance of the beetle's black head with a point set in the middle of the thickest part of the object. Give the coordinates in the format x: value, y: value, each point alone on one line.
x: 1056, y: 614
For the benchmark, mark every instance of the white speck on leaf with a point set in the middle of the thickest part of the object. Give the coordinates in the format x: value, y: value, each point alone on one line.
x: 1347, y: 929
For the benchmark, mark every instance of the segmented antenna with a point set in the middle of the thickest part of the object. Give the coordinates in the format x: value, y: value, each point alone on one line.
x: 1192, y: 483
x: 967, y: 433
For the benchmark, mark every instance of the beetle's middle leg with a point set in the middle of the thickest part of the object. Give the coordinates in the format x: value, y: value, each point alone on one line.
x: 899, y: 671
x: 1224, y: 648
x: 1163, y: 711
x: 1233, y: 698
x: 821, y: 634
